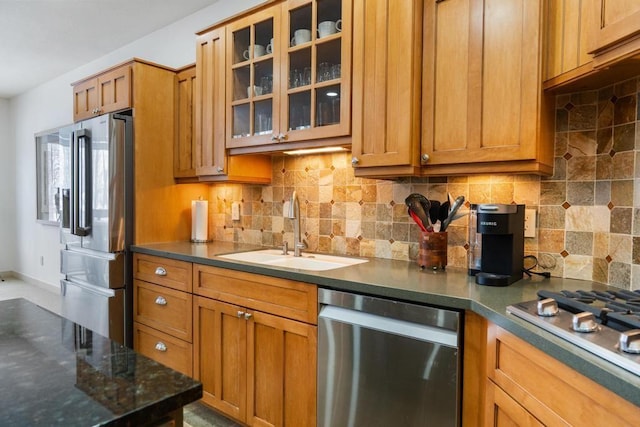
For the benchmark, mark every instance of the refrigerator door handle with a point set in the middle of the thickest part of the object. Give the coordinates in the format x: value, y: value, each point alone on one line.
x: 80, y: 220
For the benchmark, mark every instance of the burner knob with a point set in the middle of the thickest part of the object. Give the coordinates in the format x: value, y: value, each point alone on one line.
x: 630, y: 341
x: 547, y: 307
x: 584, y: 322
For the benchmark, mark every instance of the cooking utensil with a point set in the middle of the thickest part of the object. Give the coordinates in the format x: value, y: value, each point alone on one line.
x: 443, y: 213
x: 434, y: 211
x: 452, y: 212
x: 415, y: 202
x: 416, y: 219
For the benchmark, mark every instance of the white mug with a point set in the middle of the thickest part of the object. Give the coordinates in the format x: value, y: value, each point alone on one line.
x: 258, y: 51
x: 254, y: 90
x: 270, y: 47
x: 300, y: 37
x: 326, y: 28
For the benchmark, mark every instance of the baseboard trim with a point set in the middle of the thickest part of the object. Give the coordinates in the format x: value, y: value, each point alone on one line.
x: 33, y: 281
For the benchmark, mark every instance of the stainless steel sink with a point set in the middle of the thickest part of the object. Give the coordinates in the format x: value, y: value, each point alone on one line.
x: 311, y: 262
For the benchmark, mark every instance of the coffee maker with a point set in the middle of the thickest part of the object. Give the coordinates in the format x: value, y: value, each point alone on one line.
x: 496, y: 243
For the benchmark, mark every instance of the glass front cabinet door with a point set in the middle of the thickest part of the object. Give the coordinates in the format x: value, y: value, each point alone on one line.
x: 290, y: 75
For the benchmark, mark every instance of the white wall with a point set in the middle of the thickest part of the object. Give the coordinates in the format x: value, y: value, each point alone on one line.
x: 50, y: 105
x: 7, y: 190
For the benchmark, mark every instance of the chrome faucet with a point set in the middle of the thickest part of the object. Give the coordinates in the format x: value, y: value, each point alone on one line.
x: 294, y: 214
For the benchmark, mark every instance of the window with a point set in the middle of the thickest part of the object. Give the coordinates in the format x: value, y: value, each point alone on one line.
x: 50, y: 178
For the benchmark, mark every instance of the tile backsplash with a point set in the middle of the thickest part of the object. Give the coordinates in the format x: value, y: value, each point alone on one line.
x: 588, y: 211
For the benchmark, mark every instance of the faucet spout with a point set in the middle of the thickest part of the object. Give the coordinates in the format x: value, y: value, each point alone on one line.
x: 294, y: 214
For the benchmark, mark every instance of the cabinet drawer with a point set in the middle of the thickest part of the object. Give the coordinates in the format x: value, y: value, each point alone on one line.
x: 163, y: 348
x: 282, y: 297
x: 164, y: 309
x: 541, y: 384
x: 163, y: 271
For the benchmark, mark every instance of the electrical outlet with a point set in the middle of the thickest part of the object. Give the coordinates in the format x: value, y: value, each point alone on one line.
x: 530, y: 223
x: 235, y: 211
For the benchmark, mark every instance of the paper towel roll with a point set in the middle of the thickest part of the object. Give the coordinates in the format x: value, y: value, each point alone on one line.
x: 199, y: 220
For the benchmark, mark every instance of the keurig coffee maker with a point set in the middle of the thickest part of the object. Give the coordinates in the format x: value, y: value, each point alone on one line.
x: 496, y: 243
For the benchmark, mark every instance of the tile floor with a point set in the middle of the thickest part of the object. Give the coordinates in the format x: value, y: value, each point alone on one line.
x: 195, y: 414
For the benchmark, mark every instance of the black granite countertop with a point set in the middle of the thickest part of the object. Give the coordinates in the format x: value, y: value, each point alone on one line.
x: 55, y: 373
x: 452, y: 288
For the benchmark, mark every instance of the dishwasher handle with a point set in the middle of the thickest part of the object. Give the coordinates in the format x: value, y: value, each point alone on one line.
x: 389, y: 325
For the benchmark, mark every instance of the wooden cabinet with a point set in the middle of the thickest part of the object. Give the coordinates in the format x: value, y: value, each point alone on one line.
x: 147, y: 92
x: 107, y: 92
x: 387, y: 50
x: 255, y: 343
x: 184, y: 150
x: 208, y: 152
x: 617, y: 31
x: 287, y: 84
x: 162, y: 315
x: 527, y: 387
x: 568, y: 29
x: 484, y: 110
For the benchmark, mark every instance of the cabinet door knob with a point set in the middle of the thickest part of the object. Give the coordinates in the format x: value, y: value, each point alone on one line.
x: 354, y: 161
x: 220, y: 169
x: 247, y: 316
x: 282, y: 137
x: 424, y: 158
x: 240, y: 313
x: 160, y: 300
x: 160, y: 346
x: 274, y: 137
x: 160, y: 271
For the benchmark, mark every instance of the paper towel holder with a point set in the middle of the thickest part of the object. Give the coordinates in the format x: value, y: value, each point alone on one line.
x: 197, y: 232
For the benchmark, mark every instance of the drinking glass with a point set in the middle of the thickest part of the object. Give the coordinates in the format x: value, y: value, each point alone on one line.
x: 335, y: 71
x: 306, y: 76
x: 266, y: 82
x: 324, y: 71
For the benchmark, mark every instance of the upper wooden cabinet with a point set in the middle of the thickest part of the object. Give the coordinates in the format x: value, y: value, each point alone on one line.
x: 184, y: 159
x: 199, y: 152
x: 617, y: 30
x: 287, y: 76
x: 104, y: 93
x: 569, y: 29
x: 387, y: 61
x: 484, y: 110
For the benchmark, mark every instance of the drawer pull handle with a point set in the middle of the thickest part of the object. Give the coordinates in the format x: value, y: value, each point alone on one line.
x: 160, y: 271
x: 160, y: 346
x: 161, y: 300
x: 247, y: 316
x: 240, y: 313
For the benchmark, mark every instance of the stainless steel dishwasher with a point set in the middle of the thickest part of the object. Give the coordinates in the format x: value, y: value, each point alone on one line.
x: 383, y: 362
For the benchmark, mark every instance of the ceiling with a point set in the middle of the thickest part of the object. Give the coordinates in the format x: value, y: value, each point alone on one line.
x: 42, y: 39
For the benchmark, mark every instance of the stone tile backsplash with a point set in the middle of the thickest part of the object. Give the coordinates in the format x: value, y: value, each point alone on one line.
x: 588, y: 211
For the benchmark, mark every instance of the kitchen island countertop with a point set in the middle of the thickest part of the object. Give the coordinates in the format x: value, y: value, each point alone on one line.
x: 56, y: 373
x: 451, y: 288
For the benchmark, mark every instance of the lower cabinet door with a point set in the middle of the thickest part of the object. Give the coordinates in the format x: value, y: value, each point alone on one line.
x: 257, y: 368
x: 166, y: 349
x: 503, y: 411
x: 281, y: 370
x: 219, y: 338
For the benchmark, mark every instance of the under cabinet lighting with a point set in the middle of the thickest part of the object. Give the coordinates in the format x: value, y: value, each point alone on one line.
x: 315, y: 150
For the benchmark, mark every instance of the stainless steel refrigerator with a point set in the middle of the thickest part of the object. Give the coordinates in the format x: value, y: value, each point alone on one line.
x: 97, y: 225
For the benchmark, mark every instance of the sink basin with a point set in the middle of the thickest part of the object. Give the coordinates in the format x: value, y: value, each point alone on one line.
x: 311, y: 262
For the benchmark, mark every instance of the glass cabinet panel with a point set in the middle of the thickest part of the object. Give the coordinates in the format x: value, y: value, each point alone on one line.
x: 315, y: 70
x: 250, y: 87
x: 290, y: 74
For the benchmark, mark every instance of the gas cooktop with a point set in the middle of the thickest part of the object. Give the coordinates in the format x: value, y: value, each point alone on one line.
x: 604, y: 323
